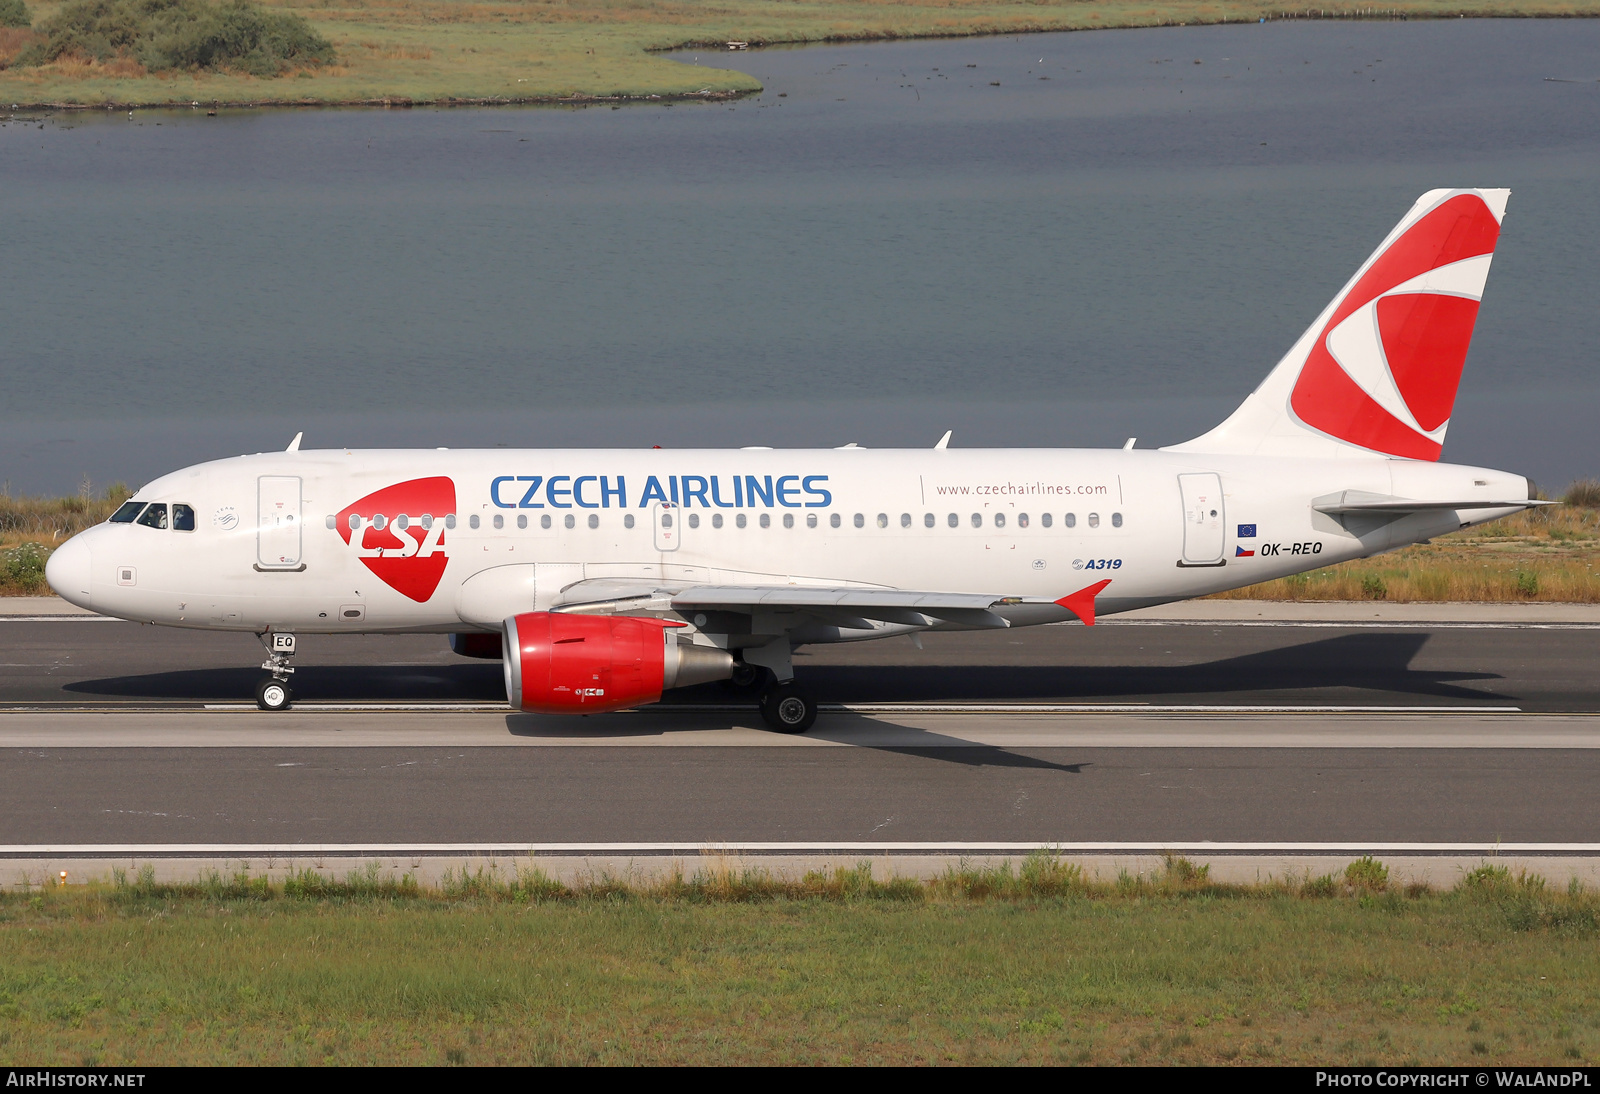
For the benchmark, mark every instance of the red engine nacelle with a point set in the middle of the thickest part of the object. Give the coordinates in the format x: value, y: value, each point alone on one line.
x: 556, y: 663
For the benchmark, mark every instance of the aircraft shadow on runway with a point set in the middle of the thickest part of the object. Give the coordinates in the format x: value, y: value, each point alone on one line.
x: 1364, y: 667
x: 844, y: 726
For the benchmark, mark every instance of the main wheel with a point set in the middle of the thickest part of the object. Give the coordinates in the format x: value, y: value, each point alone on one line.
x: 273, y: 695
x: 787, y: 709
x: 748, y: 679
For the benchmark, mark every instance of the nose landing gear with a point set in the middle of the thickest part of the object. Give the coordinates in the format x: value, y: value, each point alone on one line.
x: 274, y: 693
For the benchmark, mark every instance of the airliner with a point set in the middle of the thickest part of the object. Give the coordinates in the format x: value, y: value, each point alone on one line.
x: 602, y: 578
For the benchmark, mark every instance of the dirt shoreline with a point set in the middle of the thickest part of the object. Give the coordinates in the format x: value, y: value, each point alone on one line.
x: 582, y: 99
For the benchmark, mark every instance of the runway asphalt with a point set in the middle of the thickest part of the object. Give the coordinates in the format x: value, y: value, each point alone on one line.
x: 1176, y: 732
x: 1378, y: 662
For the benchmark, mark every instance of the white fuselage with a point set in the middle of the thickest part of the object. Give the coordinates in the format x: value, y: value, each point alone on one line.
x: 273, y: 545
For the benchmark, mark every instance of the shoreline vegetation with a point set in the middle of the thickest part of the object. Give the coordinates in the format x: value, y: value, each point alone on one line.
x: 1546, y: 555
x: 492, y: 52
x: 1026, y: 962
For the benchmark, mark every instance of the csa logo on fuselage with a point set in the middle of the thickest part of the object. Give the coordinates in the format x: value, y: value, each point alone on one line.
x: 399, y: 534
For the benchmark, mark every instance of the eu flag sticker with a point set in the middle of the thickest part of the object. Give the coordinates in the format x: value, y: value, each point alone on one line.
x: 1247, y: 531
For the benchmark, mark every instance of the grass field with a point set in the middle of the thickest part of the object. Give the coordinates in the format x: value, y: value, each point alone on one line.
x: 972, y: 968
x: 1550, y: 555
x: 426, y: 51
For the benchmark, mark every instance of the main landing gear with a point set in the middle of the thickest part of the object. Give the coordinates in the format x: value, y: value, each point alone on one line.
x: 788, y: 709
x: 274, y: 693
x: 783, y: 704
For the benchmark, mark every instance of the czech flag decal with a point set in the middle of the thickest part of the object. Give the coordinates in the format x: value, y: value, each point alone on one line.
x: 1240, y: 552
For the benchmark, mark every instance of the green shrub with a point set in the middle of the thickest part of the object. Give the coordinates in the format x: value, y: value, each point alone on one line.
x: 1373, y: 588
x: 1584, y: 493
x: 1487, y: 878
x: 14, y: 13
x: 1367, y: 875
x: 22, y: 568
x: 1324, y: 886
x: 1527, y: 583
x: 190, y: 35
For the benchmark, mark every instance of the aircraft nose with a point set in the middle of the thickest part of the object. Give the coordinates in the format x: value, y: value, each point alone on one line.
x: 68, y: 571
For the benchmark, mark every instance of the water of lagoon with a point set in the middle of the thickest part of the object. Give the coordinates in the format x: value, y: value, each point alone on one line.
x: 1119, y: 239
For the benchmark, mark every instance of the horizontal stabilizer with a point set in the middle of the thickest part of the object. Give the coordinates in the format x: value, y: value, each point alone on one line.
x: 1360, y: 501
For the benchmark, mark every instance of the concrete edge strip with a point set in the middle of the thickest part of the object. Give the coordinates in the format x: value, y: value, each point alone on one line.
x: 713, y: 849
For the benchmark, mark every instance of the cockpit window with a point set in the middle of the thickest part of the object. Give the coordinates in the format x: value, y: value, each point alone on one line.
x: 182, y: 517
x: 126, y: 512
x: 155, y: 516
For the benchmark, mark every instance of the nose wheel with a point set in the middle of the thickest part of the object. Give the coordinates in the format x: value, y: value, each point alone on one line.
x: 787, y: 709
x: 274, y: 695
x: 273, y: 692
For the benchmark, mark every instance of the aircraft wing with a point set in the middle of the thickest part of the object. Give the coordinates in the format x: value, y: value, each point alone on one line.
x: 850, y: 607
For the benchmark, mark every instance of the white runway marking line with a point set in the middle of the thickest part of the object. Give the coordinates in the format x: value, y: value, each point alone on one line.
x: 60, y: 619
x: 711, y: 848
x: 870, y: 708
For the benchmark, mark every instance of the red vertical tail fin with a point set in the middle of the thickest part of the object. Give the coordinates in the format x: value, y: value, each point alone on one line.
x: 1378, y: 371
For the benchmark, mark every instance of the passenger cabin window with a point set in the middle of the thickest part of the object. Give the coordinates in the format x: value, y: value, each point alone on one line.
x: 522, y: 520
x: 1022, y: 520
x: 155, y: 515
x: 954, y: 520
x: 569, y: 520
x: 1116, y: 520
x: 811, y: 520
x: 1046, y: 519
x: 833, y: 520
x: 126, y: 512
x: 716, y: 520
x: 182, y: 518
x: 739, y: 521
x: 499, y: 521
x: 627, y: 520
x: 788, y: 520
x: 544, y: 521
x: 472, y: 522
x: 694, y: 520
x: 766, y: 520
x: 883, y: 520
x: 1070, y: 520
x: 1000, y: 520
x: 927, y: 520
x: 1094, y: 520
x: 594, y: 520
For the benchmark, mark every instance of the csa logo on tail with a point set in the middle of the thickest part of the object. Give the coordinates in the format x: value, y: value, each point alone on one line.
x: 399, y: 533
x: 1383, y: 370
